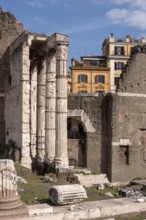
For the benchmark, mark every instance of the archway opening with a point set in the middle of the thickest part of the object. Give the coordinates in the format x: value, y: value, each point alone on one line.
x: 77, y: 147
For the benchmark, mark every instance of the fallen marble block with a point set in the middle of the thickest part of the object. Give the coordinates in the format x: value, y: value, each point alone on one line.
x: 67, y: 194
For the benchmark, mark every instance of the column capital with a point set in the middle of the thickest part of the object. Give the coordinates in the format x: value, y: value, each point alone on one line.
x: 61, y: 51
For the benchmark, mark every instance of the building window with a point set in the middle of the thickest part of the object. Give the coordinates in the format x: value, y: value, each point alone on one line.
x: 124, y: 155
x: 94, y: 62
x: 82, y: 79
x: 119, y: 50
x: 100, y: 79
x: 100, y: 91
x: 119, y: 65
x: 82, y: 91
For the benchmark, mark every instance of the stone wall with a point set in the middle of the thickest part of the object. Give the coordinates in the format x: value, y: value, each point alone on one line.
x: 13, y: 100
x: 10, y: 29
x: 125, y: 138
x: 91, y: 105
x: 133, y: 79
x: 2, y: 122
x: 76, y: 153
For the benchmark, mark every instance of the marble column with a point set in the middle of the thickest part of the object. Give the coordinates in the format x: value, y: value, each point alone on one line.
x: 26, y: 159
x: 41, y: 110
x: 33, y: 103
x: 50, y: 134
x: 61, y: 159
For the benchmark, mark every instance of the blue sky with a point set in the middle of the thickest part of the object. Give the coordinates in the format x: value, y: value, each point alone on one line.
x: 86, y: 22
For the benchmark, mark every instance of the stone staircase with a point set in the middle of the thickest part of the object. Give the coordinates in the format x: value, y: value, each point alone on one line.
x: 90, y: 180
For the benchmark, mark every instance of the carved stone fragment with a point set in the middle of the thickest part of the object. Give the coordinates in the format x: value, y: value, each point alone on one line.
x: 67, y: 194
x: 10, y: 205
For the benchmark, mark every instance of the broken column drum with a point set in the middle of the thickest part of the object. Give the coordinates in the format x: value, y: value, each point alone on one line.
x: 67, y: 194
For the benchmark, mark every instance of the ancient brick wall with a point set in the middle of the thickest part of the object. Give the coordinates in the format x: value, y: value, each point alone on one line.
x: 2, y: 122
x: 92, y: 105
x: 133, y: 79
x: 10, y: 28
x: 126, y: 127
x: 125, y: 134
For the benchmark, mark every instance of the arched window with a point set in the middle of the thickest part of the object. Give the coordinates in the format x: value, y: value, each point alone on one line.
x: 82, y: 78
x: 100, y: 79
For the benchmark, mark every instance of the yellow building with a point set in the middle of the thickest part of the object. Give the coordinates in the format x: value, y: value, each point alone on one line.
x: 91, y: 75
x: 117, y: 53
x: 100, y: 73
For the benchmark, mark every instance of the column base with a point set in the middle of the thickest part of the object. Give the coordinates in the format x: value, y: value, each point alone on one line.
x: 49, y: 160
x: 12, y: 208
x: 26, y: 162
x: 39, y: 159
x: 61, y: 165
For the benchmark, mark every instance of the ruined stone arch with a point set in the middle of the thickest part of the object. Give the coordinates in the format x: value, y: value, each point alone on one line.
x: 82, y: 116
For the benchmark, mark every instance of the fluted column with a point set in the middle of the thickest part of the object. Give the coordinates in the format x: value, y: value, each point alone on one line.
x: 41, y: 110
x: 26, y: 159
x: 50, y: 134
x: 33, y: 103
x: 61, y: 159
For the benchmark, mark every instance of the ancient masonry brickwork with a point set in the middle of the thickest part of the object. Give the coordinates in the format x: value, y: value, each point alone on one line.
x: 34, y: 111
x: 10, y: 29
x: 118, y: 145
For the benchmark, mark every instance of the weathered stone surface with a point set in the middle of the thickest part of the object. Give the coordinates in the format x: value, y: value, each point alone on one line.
x: 67, y: 194
x: 39, y: 209
x: 10, y: 204
x: 92, y: 180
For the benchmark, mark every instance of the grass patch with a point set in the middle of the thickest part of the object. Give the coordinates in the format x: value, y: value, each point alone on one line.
x: 112, y: 190
x: 136, y: 216
x: 35, y: 190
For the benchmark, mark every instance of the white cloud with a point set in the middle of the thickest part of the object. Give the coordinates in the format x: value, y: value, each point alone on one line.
x: 97, y: 2
x: 44, y: 3
x: 139, y: 4
x: 131, y: 13
x: 36, y: 3
x: 117, y: 15
x: 41, y: 21
x: 135, y: 18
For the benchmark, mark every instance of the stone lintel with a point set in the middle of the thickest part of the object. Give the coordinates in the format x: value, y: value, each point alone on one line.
x: 131, y: 94
x: 55, y: 39
x: 122, y: 142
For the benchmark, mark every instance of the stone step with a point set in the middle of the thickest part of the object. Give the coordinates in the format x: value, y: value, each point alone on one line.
x: 91, y: 180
